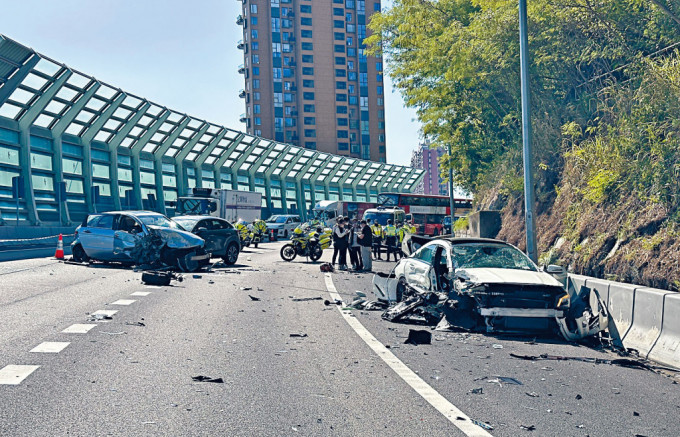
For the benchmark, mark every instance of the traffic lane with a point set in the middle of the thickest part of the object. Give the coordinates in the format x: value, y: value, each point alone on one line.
x: 40, y: 298
x: 136, y: 380
x: 582, y: 398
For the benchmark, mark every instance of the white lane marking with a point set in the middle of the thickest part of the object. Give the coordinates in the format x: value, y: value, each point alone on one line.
x: 109, y: 313
x: 123, y: 302
x: 14, y: 374
x: 153, y: 286
x: 439, y: 402
x: 51, y: 347
x: 78, y: 328
x: 141, y: 293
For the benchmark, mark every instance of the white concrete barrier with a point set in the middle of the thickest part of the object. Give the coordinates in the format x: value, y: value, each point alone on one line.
x: 620, y: 305
x: 648, y: 311
x: 667, y: 347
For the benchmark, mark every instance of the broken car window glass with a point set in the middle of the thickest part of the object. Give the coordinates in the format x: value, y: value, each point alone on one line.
x: 490, y: 255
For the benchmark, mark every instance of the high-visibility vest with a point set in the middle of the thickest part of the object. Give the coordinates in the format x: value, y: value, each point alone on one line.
x: 401, y: 232
x: 390, y: 231
x: 377, y: 230
x: 411, y: 229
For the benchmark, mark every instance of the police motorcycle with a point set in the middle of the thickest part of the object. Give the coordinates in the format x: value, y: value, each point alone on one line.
x: 307, y: 241
x: 244, y: 233
x: 258, y: 232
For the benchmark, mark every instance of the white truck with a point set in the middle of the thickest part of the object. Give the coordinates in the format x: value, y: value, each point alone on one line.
x: 230, y: 205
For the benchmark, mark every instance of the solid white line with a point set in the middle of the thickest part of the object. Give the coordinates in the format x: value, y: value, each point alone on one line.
x: 13, y: 374
x: 51, y: 347
x: 141, y: 293
x: 78, y: 328
x: 123, y: 302
x: 439, y: 402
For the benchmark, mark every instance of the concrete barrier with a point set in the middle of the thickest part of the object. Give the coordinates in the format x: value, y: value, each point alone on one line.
x: 666, y: 350
x: 620, y: 304
x: 575, y: 283
x: 601, y: 286
x: 648, y: 311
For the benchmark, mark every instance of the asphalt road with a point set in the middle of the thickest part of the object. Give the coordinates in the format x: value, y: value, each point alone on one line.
x: 132, y: 375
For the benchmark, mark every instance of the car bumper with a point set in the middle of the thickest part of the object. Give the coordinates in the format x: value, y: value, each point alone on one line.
x: 521, y: 312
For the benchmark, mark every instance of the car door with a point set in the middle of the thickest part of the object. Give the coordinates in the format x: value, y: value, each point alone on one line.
x: 218, y: 234
x: 205, y: 229
x: 128, y: 231
x: 98, y: 242
x: 418, y: 269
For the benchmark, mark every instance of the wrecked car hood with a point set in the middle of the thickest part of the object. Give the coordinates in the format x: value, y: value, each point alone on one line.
x: 178, y: 239
x: 507, y: 276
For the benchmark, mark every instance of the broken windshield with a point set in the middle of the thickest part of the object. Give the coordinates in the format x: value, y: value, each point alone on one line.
x: 158, y: 220
x: 490, y: 255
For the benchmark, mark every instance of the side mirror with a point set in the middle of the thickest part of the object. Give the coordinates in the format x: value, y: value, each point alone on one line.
x: 555, y: 270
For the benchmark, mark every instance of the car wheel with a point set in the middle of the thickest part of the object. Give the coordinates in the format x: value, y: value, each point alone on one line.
x: 401, y: 289
x: 232, y: 254
x: 79, y: 254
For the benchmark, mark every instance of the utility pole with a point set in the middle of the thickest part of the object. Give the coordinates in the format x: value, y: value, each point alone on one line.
x: 530, y: 222
x: 451, y: 203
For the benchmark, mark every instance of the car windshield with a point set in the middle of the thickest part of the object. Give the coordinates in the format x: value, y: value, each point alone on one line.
x: 158, y: 220
x: 186, y: 223
x: 380, y: 217
x: 490, y: 255
x: 278, y: 219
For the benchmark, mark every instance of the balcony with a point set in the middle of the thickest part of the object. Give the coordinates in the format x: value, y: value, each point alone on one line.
x: 240, y: 20
x: 240, y: 45
x: 241, y: 69
x: 242, y: 94
x: 291, y: 14
x: 243, y: 118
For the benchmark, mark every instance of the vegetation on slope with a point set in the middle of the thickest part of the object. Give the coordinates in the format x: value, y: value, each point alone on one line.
x: 604, y: 83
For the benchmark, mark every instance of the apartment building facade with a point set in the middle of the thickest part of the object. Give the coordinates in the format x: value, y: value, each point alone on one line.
x: 308, y: 80
x: 426, y: 158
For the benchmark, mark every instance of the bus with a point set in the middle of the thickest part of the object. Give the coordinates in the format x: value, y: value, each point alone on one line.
x: 426, y: 211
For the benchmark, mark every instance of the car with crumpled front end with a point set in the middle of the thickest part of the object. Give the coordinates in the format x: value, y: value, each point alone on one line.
x: 138, y: 237
x: 491, y: 279
x: 221, y: 238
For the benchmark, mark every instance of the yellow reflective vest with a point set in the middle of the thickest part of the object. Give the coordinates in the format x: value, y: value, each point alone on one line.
x: 377, y: 230
x: 390, y: 231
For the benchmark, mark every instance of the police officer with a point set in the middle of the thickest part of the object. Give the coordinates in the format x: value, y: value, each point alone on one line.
x: 378, y: 236
x: 391, y: 239
x: 401, y: 233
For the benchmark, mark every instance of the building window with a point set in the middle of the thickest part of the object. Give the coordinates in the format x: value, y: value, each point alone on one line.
x: 340, y: 73
x: 353, y: 100
x: 308, y: 96
x: 256, y: 96
x: 350, y: 65
x: 339, y: 48
x: 253, y: 33
x: 287, y: 97
x: 308, y: 83
x: 310, y: 145
x: 309, y: 121
x: 351, y: 51
x: 349, y: 41
x: 255, y: 45
x: 306, y: 21
x: 341, y: 85
x: 352, y: 75
x: 309, y: 108
x: 308, y: 58
x: 277, y: 73
x: 341, y: 97
x: 253, y: 21
x: 308, y: 71
x: 256, y: 71
x: 306, y: 34
x: 310, y: 133
x: 256, y: 109
x: 256, y: 84
x: 290, y: 122
x: 379, y: 90
x: 306, y: 9
x: 343, y: 134
x: 258, y: 121
x: 350, y: 28
x: 380, y: 101
x: 342, y: 122
x: 256, y: 59
x: 338, y: 24
x: 253, y: 9
x: 341, y: 110
x: 307, y: 46
x: 378, y: 66
x: 339, y: 60
x: 338, y: 36
x: 343, y: 146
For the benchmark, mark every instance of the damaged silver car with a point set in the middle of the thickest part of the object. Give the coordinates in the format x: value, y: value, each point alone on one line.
x: 476, y: 284
x: 140, y: 238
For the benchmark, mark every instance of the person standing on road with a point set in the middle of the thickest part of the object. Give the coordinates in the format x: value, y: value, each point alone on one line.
x: 377, y: 238
x: 355, y: 248
x: 335, y: 242
x: 391, y: 239
x: 366, y: 241
x: 340, y: 235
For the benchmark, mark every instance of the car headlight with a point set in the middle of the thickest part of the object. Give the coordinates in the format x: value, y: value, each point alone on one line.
x: 564, y: 301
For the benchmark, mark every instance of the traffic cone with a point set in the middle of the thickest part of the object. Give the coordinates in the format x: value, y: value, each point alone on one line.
x: 59, y: 254
x: 272, y: 235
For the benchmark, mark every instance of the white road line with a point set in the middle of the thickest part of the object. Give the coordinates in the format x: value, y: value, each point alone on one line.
x: 78, y: 328
x: 141, y: 293
x: 153, y: 286
x: 439, y: 402
x: 123, y: 302
x: 109, y: 313
x: 13, y: 374
x: 51, y: 347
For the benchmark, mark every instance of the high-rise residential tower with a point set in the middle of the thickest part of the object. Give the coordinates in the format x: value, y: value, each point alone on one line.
x: 427, y: 159
x: 308, y: 80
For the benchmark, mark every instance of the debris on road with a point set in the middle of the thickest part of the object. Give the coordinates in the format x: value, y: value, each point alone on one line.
x: 305, y: 299
x: 623, y: 362
x: 246, y: 288
x: 302, y: 335
x: 528, y: 428
x: 135, y: 323
x: 326, y: 268
x: 201, y: 378
x: 99, y: 317
x: 533, y: 394
x: 421, y: 309
x: 476, y: 391
x: 113, y: 333
x: 497, y: 346
x: 160, y: 278
x: 254, y: 298
x: 504, y: 379
x: 483, y: 425
x: 197, y: 276
x: 418, y: 336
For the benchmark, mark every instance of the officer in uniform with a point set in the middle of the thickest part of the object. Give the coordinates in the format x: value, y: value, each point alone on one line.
x: 401, y: 233
x: 377, y: 239
x: 391, y: 239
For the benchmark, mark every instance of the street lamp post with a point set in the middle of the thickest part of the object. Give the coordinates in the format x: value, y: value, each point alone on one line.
x: 530, y: 222
x: 451, y: 203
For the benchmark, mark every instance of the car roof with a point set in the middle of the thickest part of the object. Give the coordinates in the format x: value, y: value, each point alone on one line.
x: 466, y: 240
x: 134, y: 213
x: 197, y: 217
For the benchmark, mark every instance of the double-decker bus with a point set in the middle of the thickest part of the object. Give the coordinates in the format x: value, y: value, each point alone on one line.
x: 426, y: 211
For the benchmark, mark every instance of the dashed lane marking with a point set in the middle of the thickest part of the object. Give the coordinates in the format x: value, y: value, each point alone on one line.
x: 51, y: 347
x: 79, y: 328
x: 108, y: 313
x: 141, y: 293
x: 123, y: 302
x: 439, y: 402
x: 14, y: 374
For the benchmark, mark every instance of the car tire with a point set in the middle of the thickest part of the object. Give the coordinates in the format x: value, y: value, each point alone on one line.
x: 401, y: 289
x: 79, y: 254
x: 231, y: 256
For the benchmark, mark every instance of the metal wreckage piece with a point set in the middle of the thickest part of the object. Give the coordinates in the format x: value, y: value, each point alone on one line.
x: 151, y: 252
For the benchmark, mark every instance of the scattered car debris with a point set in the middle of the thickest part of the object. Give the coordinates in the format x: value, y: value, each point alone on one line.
x: 201, y: 378
x: 246, y: 288
x: 533, y: 394
x: 113, y: 333
x: 98, y: 317
x: 579, y: 397
x: 160, y: 278
x: 504, y: 380
x: 302, y: 335
x: 497, y: 346
x: 305, y: 299
x: 483, y: 425
x: 528, y: 428
x: 623, y: 362
x: 418, y: 336
x: 476, y: 391
x: 636, y: 414
x: 254, y: 298
x: 326, y: 268
x: 421, y: 309
x: 135, y: 324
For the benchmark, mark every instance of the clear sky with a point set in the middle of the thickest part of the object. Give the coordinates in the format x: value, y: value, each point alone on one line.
x: 177, y: 53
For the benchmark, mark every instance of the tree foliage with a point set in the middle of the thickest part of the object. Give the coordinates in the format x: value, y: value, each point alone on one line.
x: 457, y: 63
